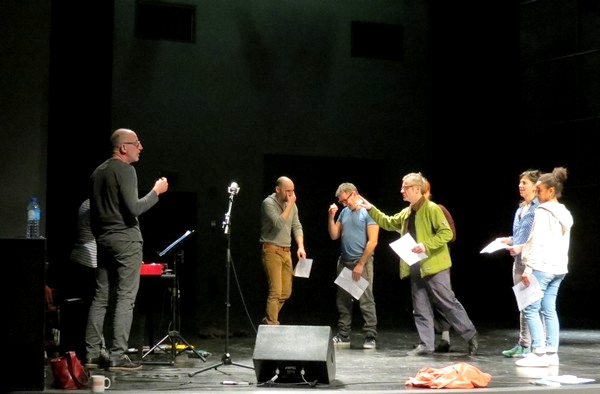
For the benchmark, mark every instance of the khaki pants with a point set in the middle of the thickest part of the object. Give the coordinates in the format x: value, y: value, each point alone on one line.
x: 277, y: 263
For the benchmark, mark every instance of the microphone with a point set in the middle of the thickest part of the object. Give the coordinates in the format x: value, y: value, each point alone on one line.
x: 233, y: 188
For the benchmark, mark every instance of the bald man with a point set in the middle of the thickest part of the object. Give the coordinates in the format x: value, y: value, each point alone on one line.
x: 114, y: 210
x: 279, y: 222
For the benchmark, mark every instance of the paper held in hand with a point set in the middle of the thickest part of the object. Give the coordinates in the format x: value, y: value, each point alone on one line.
x: 403, y: 248
x: 356, y: 288
x: 494, y: 246
x: 527, y: 295
x: 303, y: 267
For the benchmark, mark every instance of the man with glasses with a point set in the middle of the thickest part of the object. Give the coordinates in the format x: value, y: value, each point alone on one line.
x: 430, y: 282
x: 114, y: 210
x: 358, y: 233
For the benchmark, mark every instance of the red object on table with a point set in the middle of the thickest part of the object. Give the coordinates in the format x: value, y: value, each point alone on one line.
x: 153, y: 269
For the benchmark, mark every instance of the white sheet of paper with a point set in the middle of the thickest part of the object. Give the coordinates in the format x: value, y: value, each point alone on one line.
x: 525, y: 295
x: 356, y: 288
x: 568, y: 379
x: 303, y: 267
x: 403, y: 246
x: 494, y: 246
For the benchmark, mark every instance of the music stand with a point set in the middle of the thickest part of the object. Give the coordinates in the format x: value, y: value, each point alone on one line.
x: 173, y: 336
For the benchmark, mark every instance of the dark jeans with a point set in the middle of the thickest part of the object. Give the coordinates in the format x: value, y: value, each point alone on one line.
x: 345, y: 302
x: 117, y: 284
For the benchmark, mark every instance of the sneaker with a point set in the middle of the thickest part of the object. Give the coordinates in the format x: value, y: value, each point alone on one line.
x: 442, y: 347
x: 340, y: 340
x: 369, y: 343
x: 420, y: 350
x: 473, y: 345
x: 533, y: 360
x: 553, y: 359
x: 100, y: 362
x: 124, y: 363
x: 517, y: 352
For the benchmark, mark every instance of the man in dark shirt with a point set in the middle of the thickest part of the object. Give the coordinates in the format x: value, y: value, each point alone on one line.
x: 114, y: 210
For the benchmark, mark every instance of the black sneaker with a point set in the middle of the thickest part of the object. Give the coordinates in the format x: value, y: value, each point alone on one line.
x: 100, y: 362
x: 443, y: 346
x: 370, y: 343
x: 473, y: 345
x: 124, y: 363
x: 340, y: 340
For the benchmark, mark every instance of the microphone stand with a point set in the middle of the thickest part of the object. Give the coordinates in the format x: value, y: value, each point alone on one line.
x: 226, y: 358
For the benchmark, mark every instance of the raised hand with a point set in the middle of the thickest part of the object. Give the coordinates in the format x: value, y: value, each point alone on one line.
x: 362, y: 202
x: 333, y: 208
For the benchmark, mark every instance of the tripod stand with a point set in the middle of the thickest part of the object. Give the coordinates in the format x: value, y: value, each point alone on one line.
x: 173, y: 337
x: 226, y: 358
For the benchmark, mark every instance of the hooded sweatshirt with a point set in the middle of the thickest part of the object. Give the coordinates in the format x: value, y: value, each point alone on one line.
x: 547, y: 247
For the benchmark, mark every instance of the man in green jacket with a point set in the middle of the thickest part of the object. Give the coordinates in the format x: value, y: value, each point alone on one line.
x: 430, y: 281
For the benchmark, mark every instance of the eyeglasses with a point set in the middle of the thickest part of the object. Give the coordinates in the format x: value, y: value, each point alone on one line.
x: 406, y: 187
x: 136, y: 143
x: 345, y: 200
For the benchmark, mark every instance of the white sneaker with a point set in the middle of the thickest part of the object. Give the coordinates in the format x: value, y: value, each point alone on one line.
x: 553, y: 359
x: 534, y: 360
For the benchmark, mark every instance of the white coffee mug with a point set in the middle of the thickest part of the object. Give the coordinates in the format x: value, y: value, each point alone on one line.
x: 99, y: 383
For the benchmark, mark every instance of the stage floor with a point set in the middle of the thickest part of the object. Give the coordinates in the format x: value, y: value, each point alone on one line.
x: 385, y: 368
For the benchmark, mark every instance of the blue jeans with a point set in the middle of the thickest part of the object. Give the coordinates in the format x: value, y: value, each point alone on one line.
x: 549, y: 284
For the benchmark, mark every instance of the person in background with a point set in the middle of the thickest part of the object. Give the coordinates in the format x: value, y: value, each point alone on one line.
x: 521, y: 229
x: 441, y: 324
x: 114, y: 210
x: 546, y: 258
x: 80, y: 280
x: 358, y: 233
x: 430, y: 281
x: 84, y: 254
x: 279, y: 221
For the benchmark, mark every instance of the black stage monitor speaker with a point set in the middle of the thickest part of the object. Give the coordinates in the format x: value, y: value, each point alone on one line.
x: 294, y: 354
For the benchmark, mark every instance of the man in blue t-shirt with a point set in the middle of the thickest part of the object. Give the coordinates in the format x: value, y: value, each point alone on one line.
x: 358, y: 233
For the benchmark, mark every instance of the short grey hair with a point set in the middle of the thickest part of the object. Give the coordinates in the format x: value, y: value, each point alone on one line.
x: 345, y: 187
x: 415, y: 179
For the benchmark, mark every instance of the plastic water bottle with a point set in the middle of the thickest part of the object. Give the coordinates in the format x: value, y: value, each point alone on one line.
x: 34, y: 214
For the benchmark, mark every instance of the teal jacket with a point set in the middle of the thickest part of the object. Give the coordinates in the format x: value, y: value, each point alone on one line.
x: 433, y: 231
